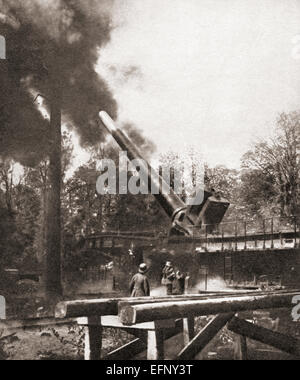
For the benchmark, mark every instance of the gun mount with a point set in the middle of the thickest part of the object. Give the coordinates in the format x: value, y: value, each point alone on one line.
x: 184, y: 218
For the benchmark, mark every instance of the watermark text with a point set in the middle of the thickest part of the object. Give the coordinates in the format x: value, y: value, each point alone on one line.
x: 296, y: 309
x: 138, y: 177
x: 2, y: 47
x: 2, y: 308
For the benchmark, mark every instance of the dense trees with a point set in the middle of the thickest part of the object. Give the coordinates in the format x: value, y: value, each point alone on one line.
x: 267, y: 185
x: 271, y: 170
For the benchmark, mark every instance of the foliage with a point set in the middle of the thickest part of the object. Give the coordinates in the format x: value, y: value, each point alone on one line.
x: 267, y: 185
x: 275, y: 167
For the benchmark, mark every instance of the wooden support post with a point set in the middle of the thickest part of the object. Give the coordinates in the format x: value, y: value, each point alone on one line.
x: 188, y: 330
x: 155, y: 346
x: 241, y: 350
x: 274, y: 339
x: 93, y: 337
x: 201, y: 340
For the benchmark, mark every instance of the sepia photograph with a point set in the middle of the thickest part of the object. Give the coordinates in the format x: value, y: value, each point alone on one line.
x: 149, y: 183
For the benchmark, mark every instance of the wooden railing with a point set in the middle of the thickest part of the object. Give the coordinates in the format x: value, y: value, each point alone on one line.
x: 270, y: 233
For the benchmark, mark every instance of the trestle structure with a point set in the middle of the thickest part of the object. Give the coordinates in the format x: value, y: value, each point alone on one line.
x: 153, y: 320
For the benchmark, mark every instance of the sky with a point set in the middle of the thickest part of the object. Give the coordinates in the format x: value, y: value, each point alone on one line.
x: 211, y: 74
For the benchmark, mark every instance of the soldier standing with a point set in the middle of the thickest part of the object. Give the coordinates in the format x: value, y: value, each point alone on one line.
x: 139, y: 285
x: 168, y: 277
x: 179, y: 283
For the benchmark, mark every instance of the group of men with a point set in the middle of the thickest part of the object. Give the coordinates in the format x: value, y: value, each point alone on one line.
x: 173, y: 281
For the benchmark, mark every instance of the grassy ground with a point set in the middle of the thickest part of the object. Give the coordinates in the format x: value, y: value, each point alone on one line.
x: 59, y: 343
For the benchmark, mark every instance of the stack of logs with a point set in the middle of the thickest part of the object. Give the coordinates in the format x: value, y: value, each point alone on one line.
x: 154, y: 320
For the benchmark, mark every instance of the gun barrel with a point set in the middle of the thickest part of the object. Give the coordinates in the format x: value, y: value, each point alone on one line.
x: 210, y: 211
x: 169, y: 200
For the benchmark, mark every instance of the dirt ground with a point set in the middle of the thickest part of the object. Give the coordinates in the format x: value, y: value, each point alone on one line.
x: 59, y: 343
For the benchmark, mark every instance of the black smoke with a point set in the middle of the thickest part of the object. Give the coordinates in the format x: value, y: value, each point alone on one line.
x: 51, y: 44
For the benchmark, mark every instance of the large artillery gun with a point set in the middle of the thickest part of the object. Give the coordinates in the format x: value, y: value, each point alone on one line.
x: 184, y: 218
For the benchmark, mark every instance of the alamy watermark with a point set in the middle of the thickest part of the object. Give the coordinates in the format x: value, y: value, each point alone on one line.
x: 2, y: 47
x: 137, y: 177
x: 2, y: 308
x: 296, y: 309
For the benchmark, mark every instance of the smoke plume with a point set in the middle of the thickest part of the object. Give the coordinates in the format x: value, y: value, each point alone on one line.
x: 52, y: 46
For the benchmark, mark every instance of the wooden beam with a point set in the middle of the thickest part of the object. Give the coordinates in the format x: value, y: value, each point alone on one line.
x: 128, y: 351
x: 274, y: 339
x: 111, y: 306
x: 86, y: 308
x: 104, y: 306
x: 181, y: 309
x: 123, y: 303
x: 152, y: 300
x: 202, y: 339
x: 241, y: 349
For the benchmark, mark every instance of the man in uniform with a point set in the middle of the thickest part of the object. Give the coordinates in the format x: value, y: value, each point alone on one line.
x: 139, y: 285
x: 179, y: 284
x: 168, y: 277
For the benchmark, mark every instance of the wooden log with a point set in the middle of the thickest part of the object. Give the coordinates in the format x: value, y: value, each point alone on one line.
x: 86, y: 308
x: 274, y: 339
x: 181, y: 309
x: 152, y: 300
x: 123, y: 303
x: 109, y: 306
x: 205, y: 336
x: 106, y: 306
